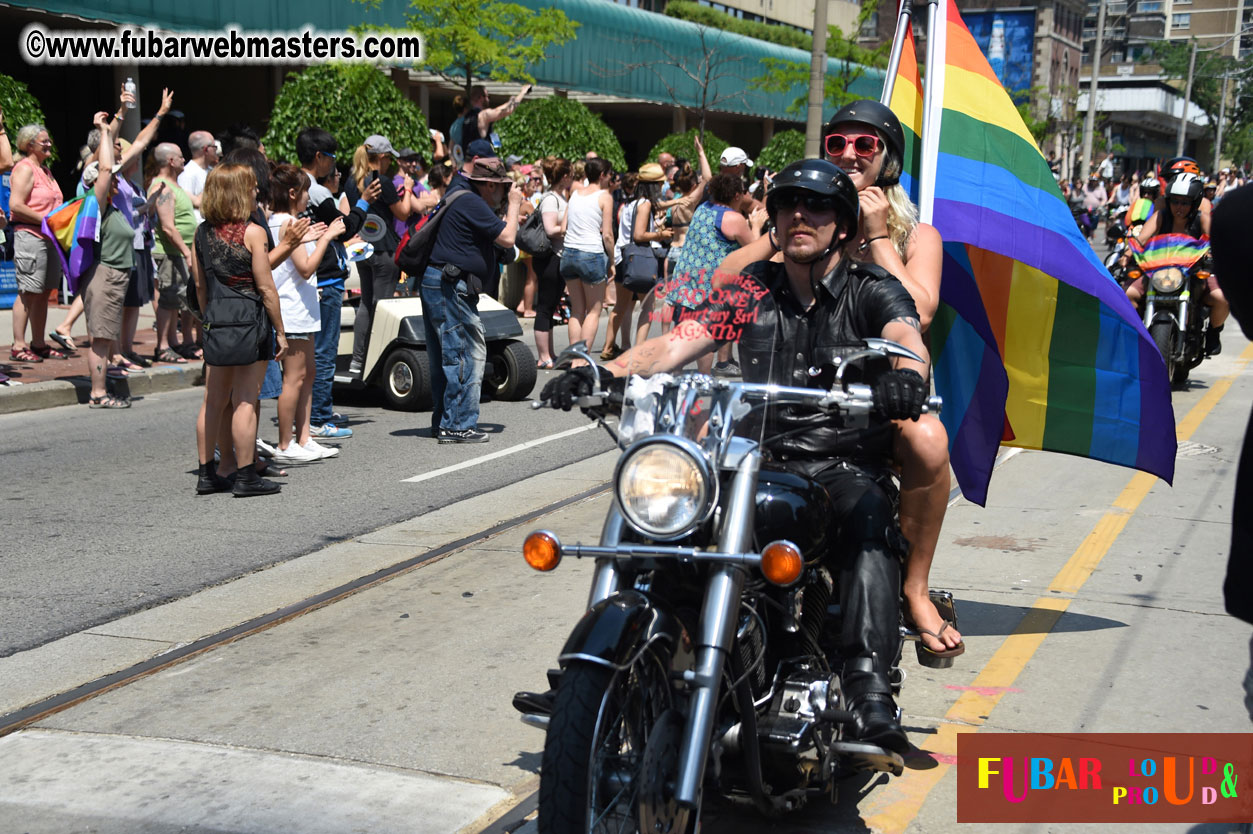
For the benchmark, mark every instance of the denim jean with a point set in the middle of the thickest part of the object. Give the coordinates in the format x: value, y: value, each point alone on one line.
x: 456, y: 348
x: 325, y: 348
x: 588, y: 267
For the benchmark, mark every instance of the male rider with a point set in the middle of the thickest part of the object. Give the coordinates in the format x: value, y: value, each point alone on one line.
x: 811, y: 308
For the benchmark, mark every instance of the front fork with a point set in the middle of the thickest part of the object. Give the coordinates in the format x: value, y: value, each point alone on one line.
x: 716, y: 632
x: 1180, y: 316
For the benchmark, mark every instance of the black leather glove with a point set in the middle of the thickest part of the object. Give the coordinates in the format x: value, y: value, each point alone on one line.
x: 900, y: 395
x: 563, y: 391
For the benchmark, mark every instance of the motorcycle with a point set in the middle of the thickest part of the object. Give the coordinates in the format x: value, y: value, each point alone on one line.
x: 1175, y: 267
x: 704, y: 662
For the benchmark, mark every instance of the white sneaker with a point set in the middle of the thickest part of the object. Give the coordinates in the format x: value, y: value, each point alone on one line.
x: 295, y: 453
x: 265, y: 448
x: 319, y: 450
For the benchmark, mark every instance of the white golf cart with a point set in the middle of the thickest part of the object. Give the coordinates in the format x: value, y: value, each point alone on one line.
x: 396, y: 361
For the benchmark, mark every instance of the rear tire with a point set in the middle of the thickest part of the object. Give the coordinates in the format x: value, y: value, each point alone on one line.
x: 594, y: 754
x: 406, y: 380
x: 1163, y: 335
x: 510, y: 373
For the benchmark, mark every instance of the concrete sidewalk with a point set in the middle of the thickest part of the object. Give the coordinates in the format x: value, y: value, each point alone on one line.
x: 57, y: 382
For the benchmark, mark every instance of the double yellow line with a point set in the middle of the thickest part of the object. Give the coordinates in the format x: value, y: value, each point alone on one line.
x: 892, y: 807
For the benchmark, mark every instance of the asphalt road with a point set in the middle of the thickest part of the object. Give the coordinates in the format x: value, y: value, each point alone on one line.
x: 101, y: 517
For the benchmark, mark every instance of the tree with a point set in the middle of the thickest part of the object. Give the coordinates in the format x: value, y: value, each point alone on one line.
x: 786, y: 147
x: 349, y: 101
x: 696, y: 13
x: 782, y: 76
x: 683, y: 146
x: 1207, y: 76
x: 556, y: 126
x: 714, y: 71
x: 20, y: 107
x: 487, y: 39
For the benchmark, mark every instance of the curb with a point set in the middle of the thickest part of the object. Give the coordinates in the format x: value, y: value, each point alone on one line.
x: 52, y: 393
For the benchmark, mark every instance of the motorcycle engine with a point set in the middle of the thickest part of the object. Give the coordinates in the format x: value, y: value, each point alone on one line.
x: 790, y: 744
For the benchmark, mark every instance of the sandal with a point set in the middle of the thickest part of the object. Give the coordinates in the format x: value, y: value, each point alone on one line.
x: 137, y: 360
x: 25, y: 355
x: 117, y: 372
x: 263, y: 465
x: 953, y: 652
x: 120, y: 361
x: 168, y: 355
x: 544, y: 364
x: 610, y: 353
x: 66, y: 342
x: 190, y: 350
x: 48, y: 352
x: 108, y: 401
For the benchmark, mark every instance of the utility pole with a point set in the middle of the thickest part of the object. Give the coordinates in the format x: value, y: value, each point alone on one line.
x: 1089, y: 118
x: 1187, y: 100
x: 817, y: 74
x: 1222, y: 112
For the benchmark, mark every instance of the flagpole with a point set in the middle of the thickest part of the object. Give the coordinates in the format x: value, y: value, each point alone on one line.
x: 933, y: 82
x: 898, y: 46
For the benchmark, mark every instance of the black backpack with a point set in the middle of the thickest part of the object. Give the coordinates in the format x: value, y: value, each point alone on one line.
x: 414, y: 251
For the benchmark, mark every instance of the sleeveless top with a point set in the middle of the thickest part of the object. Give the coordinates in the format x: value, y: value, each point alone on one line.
x: 117, y: 240
x: 45, y: 193
x: 583, y: 219
x: 224, y: 251
x: 704, y: 248
x: 184, y: 218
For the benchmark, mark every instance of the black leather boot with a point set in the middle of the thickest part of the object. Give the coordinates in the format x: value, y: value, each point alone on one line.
x: 208, y: 481
x: 1213, y: 340
x: 870, y: 699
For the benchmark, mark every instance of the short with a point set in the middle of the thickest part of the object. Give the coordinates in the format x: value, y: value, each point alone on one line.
x: 588, y: 267
x: 299, y: 337
x: 173, y: 281
x: 673, y: 253
x: 104, y: 289
x: 37, y: 264
x: 139, y: 290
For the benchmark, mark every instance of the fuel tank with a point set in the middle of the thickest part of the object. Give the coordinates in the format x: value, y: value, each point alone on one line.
x: 794, y: 507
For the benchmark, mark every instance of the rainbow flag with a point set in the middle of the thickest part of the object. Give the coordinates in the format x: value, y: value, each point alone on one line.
x: 75, y: 228
x: 906, y: 103
x: 1163, y: 251
x: 1034, y: 344
x: 1141, y: 210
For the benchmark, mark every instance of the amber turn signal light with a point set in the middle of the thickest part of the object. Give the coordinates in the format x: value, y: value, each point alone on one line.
x: 542, y: 550
x: 781, y: 563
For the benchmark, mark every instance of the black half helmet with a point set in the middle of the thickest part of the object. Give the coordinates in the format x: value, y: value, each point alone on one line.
x: 817, y: 176
x: 879, y: 116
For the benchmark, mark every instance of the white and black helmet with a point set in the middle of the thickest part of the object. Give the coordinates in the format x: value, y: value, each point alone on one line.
x: 1186, y: 185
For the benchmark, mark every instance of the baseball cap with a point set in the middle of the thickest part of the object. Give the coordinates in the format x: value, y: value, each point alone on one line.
x: 406, y: 153
x: 512, y: 160
x: 480, y: 147
x: 379, y: 144
x: 734, y: 156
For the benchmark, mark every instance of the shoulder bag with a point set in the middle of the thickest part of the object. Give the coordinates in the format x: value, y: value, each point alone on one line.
x: 236, y: 327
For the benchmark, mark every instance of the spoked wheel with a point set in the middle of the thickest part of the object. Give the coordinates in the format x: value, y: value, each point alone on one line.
x: 611, y: 754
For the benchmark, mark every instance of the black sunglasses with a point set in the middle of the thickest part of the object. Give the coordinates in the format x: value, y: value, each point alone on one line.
x: 814, y: 203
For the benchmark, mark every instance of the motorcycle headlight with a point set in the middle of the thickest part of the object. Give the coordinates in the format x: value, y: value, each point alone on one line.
x: 665, y: 487
x: 1168, y: 280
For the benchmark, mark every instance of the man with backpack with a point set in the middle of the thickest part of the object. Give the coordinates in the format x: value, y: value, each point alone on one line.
x: 462, y: 258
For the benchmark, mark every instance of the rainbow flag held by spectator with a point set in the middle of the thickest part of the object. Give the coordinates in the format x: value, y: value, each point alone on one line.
x: 75, y: 228
x: 1034, y: 344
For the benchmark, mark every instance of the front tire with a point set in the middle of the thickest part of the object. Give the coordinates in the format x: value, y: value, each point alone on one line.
x: 1163, y: 335
x: 611, y: 752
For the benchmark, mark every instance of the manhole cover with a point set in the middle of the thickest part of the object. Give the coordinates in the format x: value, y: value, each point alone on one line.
x: 1189, y: 449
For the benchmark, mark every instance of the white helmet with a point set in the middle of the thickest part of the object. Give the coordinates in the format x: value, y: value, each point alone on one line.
x: 1186, y: 185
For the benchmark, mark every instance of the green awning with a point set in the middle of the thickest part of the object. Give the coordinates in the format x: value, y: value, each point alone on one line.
x: 617, y: 51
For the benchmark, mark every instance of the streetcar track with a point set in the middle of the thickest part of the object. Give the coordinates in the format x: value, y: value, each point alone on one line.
x: 45, y: 707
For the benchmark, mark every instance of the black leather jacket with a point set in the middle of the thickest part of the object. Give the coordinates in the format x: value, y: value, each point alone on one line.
x: 779, y: 341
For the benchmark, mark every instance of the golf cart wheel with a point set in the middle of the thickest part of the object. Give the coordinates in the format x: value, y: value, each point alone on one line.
x: 510, y: 372
x: 406, y: 380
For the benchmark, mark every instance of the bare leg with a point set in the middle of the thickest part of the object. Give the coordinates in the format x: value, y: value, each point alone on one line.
x: 294, y: 364
x: 217, y: 397
x: 36, y: 309
x: 244, y: 395
x: 578, y: 310
x: 922, y: 452
x: 1219, y: 308
x: 528, y: 290
x: 76, y: 310
x: 544, y: 345
x: 130, y: 323
x: 19, y: 322
x: 594, y: 297
x: 97, y: 365
x: 304, y: 404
